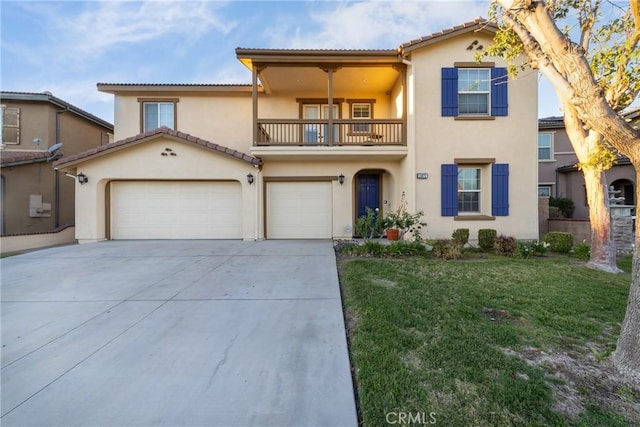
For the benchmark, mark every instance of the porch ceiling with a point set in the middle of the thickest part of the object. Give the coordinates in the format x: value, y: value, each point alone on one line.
x: 364, y: 79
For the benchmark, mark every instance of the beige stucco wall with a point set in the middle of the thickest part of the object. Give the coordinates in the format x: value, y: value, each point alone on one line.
x: 144, y: 162
x: 438, y: 140
x: 9, y: 244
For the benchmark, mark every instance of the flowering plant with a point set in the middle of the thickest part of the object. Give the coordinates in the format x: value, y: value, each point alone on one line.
x: 403, y: 220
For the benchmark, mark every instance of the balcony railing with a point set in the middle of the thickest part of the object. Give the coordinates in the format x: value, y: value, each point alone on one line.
x: 283, y: 132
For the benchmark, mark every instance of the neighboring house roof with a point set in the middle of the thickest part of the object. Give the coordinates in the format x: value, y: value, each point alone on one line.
x: 16, y: 158
x: 553, y: 122
x: 478, y: 24
x: 156, y: 133
x: 48, y: 97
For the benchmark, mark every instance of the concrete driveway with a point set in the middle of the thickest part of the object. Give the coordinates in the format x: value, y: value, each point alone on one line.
x: 189, y: 333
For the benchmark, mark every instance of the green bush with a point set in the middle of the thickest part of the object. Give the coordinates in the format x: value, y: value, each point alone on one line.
x: 404, y: 248
x: 527, y: 249
x: 487, y: 238
x: 582, y: 251
x: 344, y: 246
x: 372, y: 248
x: 370, y: 226
x: 565, y: 205
x: 446, y: 249
x: 506, y: 245
x: 558, y: 241
x: 461, y: 235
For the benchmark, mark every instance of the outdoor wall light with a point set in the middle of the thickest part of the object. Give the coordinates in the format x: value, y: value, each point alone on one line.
x: 82, y: 178
x: 341, y: 179
x: 250, y: 178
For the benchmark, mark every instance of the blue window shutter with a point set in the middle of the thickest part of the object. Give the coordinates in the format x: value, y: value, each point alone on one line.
x: 449, y: 190
x: 500, y: 189
x: 449, y: 91
x: 499, y: 92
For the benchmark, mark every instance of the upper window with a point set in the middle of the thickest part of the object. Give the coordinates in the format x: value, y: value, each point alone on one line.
x: 10, y: 123
x: 361, y: 111
x: 473, y: 91
x: 469, y: 190
x: 158, y: 114
x: 155, y: 113
x: 545, y: 146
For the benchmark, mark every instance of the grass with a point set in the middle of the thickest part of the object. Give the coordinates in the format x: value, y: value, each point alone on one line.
x: 443, y: 338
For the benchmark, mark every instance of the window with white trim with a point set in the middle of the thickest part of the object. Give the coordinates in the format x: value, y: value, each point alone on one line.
x: 362, y: 111
x: 10, y: 123
x: 544, y: 191
x: 474, y: 91
x: 545, y: 146
x: 469, y: 189
x: 158, y: 114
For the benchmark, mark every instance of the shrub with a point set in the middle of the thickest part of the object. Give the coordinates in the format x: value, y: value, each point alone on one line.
x: 446, y: 249
x: 461, y: 235
x: 506, y: 245
x: 527, y: 249
x: 487, y: 238
x: 370, y: 226
x: 344, y: 246
x: 582, y: 251
x: 403, y: 248
x: 558, y: 241
x: 565, y: 205
x: 372, y: 248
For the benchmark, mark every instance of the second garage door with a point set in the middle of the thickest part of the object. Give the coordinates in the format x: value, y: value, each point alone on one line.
x: 299, y: 210
x: 176, y: 210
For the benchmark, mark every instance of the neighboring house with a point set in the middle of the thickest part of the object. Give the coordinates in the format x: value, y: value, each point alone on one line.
x: 558, y: 174
x: 316, y: 138
x: 36, y: 198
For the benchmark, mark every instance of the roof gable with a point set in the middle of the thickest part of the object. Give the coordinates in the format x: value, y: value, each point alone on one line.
x: 164, y: 131
x: 478, y: 24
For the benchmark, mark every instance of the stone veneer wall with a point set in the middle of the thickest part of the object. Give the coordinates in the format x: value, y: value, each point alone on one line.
x: 623, y: 234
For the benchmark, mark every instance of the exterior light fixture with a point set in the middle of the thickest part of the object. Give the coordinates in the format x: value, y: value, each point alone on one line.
x: 341, y: 179
x: 250, y: 178
x: 82, y: 178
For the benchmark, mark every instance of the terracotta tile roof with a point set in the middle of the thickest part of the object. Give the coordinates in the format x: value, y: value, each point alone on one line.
x: 477, y: 23
x: 181, y: 136
x: 11, y: 157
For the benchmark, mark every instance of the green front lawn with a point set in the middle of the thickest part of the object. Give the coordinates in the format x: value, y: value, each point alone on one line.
x: 445, y: 342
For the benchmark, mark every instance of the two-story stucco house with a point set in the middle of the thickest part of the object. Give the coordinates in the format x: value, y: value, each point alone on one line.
x: 559, y: 176
x: 38, y: 128
x: 318, y: 136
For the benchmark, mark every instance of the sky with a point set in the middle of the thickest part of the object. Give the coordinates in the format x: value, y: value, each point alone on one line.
x: 67, y: 47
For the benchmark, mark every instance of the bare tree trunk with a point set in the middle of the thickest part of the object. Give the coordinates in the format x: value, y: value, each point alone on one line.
x: 603, y: 245
x: 626, y: 358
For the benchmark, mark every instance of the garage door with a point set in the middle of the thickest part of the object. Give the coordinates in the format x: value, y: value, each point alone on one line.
x: 298, y: 210
x: 176, y: 210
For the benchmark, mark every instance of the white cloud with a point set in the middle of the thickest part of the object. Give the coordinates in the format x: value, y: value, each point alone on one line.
x: 373, y: 24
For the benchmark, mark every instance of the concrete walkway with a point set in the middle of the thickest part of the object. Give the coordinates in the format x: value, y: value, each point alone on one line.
x: 188, y: 333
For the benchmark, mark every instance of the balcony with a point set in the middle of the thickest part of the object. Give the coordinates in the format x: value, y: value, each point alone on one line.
x: 346, y: 132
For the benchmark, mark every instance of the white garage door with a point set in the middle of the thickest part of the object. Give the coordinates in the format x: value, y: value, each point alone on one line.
x: 298, y: 210
x: 176, y: 210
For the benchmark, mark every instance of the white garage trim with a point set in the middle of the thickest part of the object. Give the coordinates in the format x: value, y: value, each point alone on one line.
x: 298, y: 210
x: 176, y: 210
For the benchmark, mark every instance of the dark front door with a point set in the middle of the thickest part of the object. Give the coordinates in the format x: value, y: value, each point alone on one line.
x: 368, y: 193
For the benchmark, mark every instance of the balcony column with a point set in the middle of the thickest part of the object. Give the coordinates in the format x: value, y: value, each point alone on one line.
x: 254, y: 97
x: 330, y: 134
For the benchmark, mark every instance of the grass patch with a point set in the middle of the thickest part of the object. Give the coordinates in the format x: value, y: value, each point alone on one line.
x: 484, y: 343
